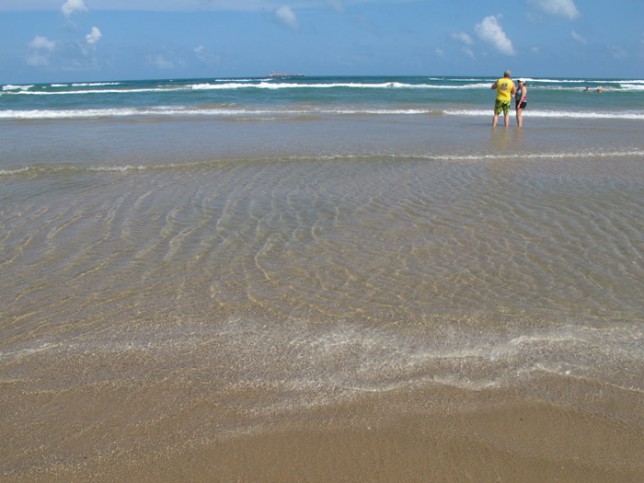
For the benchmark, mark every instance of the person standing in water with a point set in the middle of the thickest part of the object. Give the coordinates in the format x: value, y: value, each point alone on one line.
x: 505, y: 89
x: 521, y: 100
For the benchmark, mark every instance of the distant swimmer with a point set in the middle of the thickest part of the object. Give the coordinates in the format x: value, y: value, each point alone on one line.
x: 505, y: 89
x: 587, y: 89
x: 599, y: 90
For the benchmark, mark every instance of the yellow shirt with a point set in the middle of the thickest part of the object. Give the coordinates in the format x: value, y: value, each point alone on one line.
x: 504, y: 87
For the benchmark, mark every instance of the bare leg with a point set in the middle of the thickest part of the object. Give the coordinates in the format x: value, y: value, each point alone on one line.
x: 495, y: 119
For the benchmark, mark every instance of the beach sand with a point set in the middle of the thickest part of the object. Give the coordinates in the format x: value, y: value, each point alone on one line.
x: 106, y: 433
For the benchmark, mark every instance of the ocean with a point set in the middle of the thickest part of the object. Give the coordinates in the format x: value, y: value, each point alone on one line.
x: 187, y: 263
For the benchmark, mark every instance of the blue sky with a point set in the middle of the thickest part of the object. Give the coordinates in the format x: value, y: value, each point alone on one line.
x: 88, y: 40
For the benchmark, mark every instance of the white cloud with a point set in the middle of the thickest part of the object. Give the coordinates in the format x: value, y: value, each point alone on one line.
x: 40, y: 49
x: 42, y: 43
x: 466, y: 40
x: 489, y: 30
x: 463, y: 37
x: 94, y: 36
x: 73, y: 6
x: 563, y: 8
x: 578, y: 37
x: 286, y: 16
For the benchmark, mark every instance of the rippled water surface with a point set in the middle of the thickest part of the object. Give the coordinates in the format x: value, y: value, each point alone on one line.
x: 302, y: 263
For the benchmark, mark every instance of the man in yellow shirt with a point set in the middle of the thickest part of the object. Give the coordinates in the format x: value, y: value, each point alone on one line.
x: 505, y: 89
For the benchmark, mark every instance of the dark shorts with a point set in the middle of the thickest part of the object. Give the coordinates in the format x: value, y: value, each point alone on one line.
x: 501, y: 107
x: 522, y: 105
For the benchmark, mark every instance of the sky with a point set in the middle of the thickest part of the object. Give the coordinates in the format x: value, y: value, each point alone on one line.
x: 94, y: 40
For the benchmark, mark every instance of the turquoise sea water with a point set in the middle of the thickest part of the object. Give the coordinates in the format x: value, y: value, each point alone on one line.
x: 280, y: 244
x: 302, y: 96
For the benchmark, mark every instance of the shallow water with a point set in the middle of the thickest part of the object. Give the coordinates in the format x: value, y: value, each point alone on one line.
x: 270, y: 268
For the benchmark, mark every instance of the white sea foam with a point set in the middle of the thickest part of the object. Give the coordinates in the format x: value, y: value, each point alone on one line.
x: 11, y: 87
x: 94, y: 84
x: 536, y: 156
x: 177, y: 111
x: 352, y: 85
x: 48, y: 169
x: 13, y: 172
x: 26, y: 87
x: 632, y: 86
x: 67, y: 113
x: 94, y: 91
x: 626, y: 115
x: 372, y: 359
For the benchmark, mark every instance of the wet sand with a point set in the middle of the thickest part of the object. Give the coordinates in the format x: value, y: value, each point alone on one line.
x: 110, y: 433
